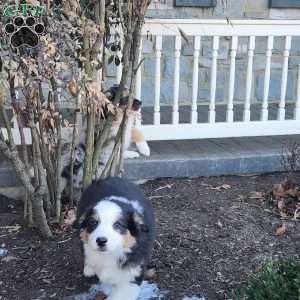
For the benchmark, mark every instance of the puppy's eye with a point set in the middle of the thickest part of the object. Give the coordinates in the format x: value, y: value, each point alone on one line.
x: 92, y: 223
x: 119, y: 225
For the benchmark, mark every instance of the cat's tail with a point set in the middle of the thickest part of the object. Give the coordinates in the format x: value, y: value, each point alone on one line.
x: 138, y: 139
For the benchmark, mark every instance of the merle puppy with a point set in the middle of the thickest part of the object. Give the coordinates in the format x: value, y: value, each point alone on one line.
x: 116, y: 224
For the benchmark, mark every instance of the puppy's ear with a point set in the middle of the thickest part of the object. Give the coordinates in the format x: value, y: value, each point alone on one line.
x: 79, y: 223
x: 138, y: 224
x: 136, y: 105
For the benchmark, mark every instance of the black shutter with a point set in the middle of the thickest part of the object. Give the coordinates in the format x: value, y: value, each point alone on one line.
x: 196, y: 3
x: 285, y: 3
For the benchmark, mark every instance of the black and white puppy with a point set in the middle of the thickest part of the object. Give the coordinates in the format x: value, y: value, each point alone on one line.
x: 116, y: 224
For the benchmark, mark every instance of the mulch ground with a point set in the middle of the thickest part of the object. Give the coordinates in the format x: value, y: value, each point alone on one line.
x: 210, y: 237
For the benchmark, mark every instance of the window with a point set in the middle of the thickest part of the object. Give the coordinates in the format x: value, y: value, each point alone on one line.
x: 285, y: 3
x: 198, y: 3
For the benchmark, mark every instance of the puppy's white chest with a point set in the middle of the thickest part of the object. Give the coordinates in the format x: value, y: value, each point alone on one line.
x: 108, y: 271
x: 107, y: 268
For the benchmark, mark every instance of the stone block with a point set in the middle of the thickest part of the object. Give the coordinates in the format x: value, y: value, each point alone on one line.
x: 8, y: 178
x: 204, y: 62
x: 166, y: 92
x: 149, y: 66
x: 260, y: 45
x: 156, y: 169
x: 257, y: 14
x: 185, y: 92
x: 275, y: 86
x: 168, y: 67
x: 240, y: 85
x: 203, y: 77
x: 148, y: 45
x: 203, y: 95
x: 222, y: 52
x: 227, y: 166
x: 186, y: 67
x: 294, y: 62
x: 168, y: 45
x: 278, y: 45
x: 148, y: 91
x: 295, y: 49
x: 261, y: 164
x: 187, y: 47
x: 260, y: 62
x: 201, y: 167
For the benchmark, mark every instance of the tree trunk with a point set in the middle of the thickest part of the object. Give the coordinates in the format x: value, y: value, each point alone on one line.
x: 90, y: 132
x: 39, y: 214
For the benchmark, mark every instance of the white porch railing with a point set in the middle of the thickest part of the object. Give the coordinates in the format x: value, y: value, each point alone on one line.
x: 217, y: 29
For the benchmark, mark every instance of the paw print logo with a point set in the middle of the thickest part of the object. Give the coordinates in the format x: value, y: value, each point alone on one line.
x: 24, y: 31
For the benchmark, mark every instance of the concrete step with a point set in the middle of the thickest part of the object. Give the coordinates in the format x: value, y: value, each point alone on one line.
x: 211, y: 157
x: 193, y: 158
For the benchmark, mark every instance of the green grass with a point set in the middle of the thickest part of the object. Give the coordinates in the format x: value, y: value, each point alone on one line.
x: 278, y: 280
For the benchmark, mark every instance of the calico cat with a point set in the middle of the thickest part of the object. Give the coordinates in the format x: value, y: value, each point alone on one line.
x: 133, y: 136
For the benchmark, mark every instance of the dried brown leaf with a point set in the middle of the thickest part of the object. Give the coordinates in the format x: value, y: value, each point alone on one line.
x: 9, y: 258
x: 281, y: 230
x: 219, y: 224
x: 70, y: 217
x: 150, y: 274
x: 73, y: 88
x: 297, y: 213
x: 281, y: 204
x: 221, y: 187
x: 51, y: 50
x: 256, y: 195
x: 101, y: 297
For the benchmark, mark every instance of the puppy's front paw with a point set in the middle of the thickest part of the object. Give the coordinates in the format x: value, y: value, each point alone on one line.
x: 131, y: 154
x: 88, y: 271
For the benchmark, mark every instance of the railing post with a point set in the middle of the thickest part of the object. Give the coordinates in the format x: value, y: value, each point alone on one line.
x: 213, y: 83
x: 158, y: 46
x: 234, y: 45
x: 247, y: 107
x: 264, y: 111
x: 119, y: 53
x: 175, y: 115
x: 138, y: 84
x: 194, y: 113
x: 286, y: 53
x: 297, y: 107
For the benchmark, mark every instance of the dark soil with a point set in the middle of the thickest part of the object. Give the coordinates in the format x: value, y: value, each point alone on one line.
x: 209, y: 240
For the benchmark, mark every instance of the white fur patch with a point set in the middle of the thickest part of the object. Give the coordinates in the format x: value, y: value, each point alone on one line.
x: 128, y: 154
x: 148, y: 291
x: 106, y: 267
x: 133, y: 203
x: 143, y: 148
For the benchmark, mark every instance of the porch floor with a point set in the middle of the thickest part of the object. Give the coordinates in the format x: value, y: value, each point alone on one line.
x: 203, y: 112
x: 210, y: 157
x: 206, y: 157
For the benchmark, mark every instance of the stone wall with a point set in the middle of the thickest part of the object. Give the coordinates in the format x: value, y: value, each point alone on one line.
x: 186, y: 71
x: 231, y: 9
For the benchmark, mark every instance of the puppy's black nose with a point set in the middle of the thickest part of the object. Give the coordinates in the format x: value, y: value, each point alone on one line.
x: 101, y: 241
